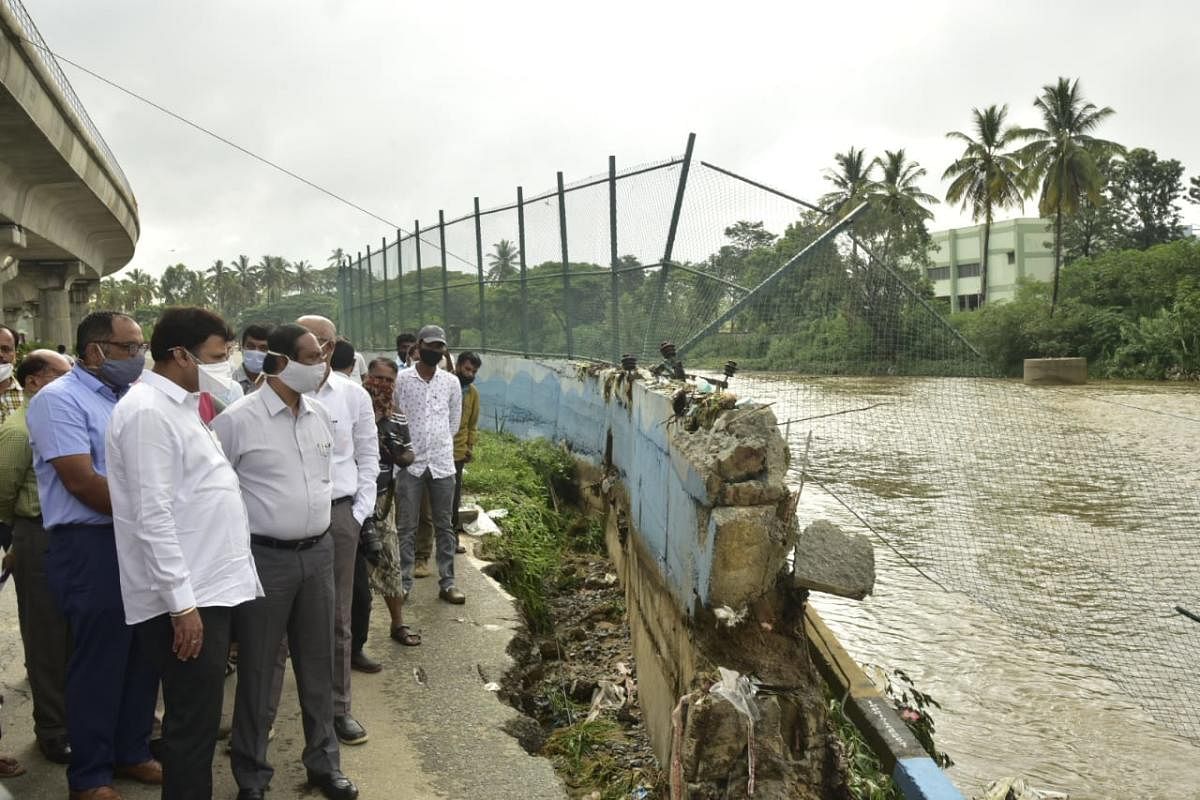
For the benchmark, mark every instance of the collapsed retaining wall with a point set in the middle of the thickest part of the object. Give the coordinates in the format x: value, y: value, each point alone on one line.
x: 699, y: 522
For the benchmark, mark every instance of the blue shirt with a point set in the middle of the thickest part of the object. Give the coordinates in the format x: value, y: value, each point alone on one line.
x: 69, y: 417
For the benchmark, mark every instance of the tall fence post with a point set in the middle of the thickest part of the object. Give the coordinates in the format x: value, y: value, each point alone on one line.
x: 357, y: 329
x: 369, y: 339
x: 445, y: 269
x: 399, y: 282
x: 524, y: 287
x: 420, y: 281
x: 568, y: 304
x: 479, y: 269
x: 665, y: 269
x: 343, y: 316
x: 615, y: 278
x: 387, y: 326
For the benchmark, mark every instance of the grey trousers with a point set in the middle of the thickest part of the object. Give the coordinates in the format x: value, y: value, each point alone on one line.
x: 44, y: 630
x: 298, y: 602
x: 345, y: 532
x: 408, y: 499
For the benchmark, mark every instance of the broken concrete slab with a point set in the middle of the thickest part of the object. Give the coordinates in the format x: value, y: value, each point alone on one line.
x: 831, y: 561
x: 748, y: 545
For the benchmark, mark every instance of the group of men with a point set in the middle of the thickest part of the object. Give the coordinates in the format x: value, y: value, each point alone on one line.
x: 162, y: 521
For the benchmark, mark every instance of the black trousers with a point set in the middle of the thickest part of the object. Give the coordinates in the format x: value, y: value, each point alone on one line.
x: 454, y: 521
x: 360, y: 607
x: 193, y: 692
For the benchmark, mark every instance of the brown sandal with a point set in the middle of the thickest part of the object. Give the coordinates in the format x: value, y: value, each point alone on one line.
x: 405, y: 636
x: 10, y: 767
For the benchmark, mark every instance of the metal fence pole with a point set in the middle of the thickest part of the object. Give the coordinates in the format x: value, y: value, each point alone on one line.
x: 387, y: 326
x: 399, y: 283
x: 420, y: 283
x: 358, y: 327
x: 445, y: 270
x: 479, y: 268
x: 343, y: 317
x: 615, y: 278
x: 568, y: 304
x: 369, y: 339
x: 665, y: 269
x: 524, y: 287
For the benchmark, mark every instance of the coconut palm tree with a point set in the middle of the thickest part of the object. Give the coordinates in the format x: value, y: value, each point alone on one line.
x: 304, y: 279
x: 503, y: 263
x: 272, y: 274
x: 896, y: 193
x: 336, y: 257
x: 852, y: 181
x: 223, y: 281
x: 1061, y: 156
x: 140, y: 290
x: 246, y: 280
x: 986, y: 177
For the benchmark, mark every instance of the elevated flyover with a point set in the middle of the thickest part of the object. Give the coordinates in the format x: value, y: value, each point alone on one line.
x: 68, y: 216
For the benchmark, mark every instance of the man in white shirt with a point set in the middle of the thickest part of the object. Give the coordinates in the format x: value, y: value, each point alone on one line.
x: 183, y: 541
x: 280, y: 444
x: 431, y: 399
x: 355, y: 467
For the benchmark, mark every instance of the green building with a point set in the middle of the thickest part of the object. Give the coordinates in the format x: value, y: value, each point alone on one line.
x: 1018, y: 248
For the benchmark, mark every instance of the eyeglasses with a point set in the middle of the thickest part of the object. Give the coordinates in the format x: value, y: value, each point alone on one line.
x: 131, y: 348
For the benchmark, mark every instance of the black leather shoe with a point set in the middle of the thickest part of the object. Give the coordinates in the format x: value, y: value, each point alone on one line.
x: 453, y: 596
x: 251, y: 794
x: 334, y: 785
x: 349, y: 730
x: 364, y: 663
x: 56, y: 749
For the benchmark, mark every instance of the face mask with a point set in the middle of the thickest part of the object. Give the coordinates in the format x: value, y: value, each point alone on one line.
x: 430, y: 358
x: 302, y: 378
x: 465, y: 381
x: 252, y: 360
x: 120, y: 374
x: 6, y: 371
x: 217, y: 380
x: 381, y: 396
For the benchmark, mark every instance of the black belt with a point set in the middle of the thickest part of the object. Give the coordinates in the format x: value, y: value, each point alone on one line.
x: 285, y: 544
x: 341, y: 500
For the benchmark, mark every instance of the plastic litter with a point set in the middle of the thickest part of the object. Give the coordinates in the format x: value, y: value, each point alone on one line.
x: 491, y: 686
x: 739, y: 690
x: 640, y: 793
x: 1018, y: 789
x: 499, y: 513
x: 607, y: 696
x: 728, y: 617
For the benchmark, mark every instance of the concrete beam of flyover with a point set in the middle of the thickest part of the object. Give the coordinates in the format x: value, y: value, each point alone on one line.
x: 58, y: 180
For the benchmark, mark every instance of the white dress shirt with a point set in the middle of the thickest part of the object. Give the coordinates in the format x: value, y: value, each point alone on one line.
x: 355, y: 441
x: 434, y: 409
x: 182, y: 533
x: 283, y: 462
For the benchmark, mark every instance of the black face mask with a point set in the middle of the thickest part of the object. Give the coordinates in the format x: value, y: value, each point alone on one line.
x: 430, y: 358
x: 465, y: 381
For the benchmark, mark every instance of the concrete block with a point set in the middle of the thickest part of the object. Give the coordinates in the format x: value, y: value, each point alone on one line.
x: 1055, y: 371
x: 830, y: 561
x: 749, y: 544
x: 741, y: 460
x: 921, y: 779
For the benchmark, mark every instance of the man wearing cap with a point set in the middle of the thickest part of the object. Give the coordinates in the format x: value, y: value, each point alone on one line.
x: 431, y: 399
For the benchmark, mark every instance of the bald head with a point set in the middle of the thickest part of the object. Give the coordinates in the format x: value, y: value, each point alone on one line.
x: 39, y: 368
x: 321, y: 327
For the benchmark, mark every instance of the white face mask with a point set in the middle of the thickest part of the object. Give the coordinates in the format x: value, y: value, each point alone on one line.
x: 217, y: 380
x: 6, y: 371
x: 302, y: 378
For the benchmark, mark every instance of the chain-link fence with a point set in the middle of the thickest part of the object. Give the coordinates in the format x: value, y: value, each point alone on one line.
x: 1074, y: 522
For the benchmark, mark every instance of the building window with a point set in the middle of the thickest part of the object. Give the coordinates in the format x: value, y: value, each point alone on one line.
x: 1012, y: 257
x: 939, y: 274
x: 968, y: 302
x: 968, y: 270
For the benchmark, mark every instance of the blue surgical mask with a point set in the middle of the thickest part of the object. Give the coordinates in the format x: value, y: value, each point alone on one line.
x: 120, y: 374
x: 252, y: 360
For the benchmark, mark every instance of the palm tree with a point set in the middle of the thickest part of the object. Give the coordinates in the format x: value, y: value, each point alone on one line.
x: 336, y: 257
x: 304, y: 278
x: 1062, y: 157
x: 140, y: 288
x: 247, y: 281
x: 271, y: 272
x: 112, y: 296
x: 222, y: 280
x: 985, y: 177
x: 896, y: 193
x: 503, y: 263
x: 852, y: 181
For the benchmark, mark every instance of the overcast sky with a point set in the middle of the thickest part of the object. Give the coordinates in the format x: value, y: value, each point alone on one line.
x: 406, y: 108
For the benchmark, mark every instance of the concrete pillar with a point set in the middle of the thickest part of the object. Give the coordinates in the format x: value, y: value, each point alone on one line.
x: 54, y: 309
x: 81, y: 291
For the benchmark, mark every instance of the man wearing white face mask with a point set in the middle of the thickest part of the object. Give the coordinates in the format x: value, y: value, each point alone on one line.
x: 254, y: 350
x: 172, y: 490
x: 11, y: 397
x: 280, y: 444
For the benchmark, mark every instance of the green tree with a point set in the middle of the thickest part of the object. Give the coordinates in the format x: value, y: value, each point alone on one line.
x: 1061, y: 157
x: 223, y: 282
x: 1193, y: 194
x: 304, y: 279
x: 1144, y: 192
x: 852, y: 181
x: 273, y: 275
x: 504, y: 262
x: 247, y: 281
x: 139, y: 288
x: 985, y: 177
x: 195, y: 290
x: 173, y: 284
x: 336, y: 257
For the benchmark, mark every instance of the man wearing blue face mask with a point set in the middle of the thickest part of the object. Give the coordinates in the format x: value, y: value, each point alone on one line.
x: 254, y: 350
x: 111, y: 689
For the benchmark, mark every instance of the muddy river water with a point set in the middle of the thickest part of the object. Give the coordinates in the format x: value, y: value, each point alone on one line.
x: 1037, y: 543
